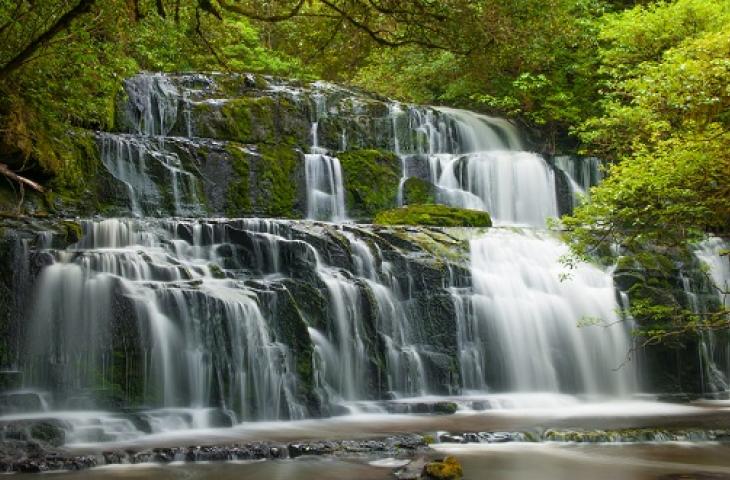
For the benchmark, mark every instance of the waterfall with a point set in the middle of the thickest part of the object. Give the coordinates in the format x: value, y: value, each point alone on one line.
x: 514, y: 187
x: 203, y: 322
x: 144, y: 165
x: 582, y: 173
x: 520, y: 329
x: 476, y: 162
x: 196, y: 337
x: 325, y: 190
x: 152, y: 108
x: 714, y: 347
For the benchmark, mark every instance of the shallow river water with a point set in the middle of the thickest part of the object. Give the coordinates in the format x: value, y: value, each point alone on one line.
x: 699, y: 459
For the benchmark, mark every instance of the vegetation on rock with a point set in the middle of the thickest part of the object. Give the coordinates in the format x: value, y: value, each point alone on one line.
x: 370, y: 178
x: 434, y: 215
x: 418, y: 191
x: 447, y: 469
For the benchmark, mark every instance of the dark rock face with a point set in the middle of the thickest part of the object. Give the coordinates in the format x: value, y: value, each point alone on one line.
x: 676, y: 280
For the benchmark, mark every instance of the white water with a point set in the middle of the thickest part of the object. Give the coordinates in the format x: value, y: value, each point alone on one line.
x: 516, y: 188
x: 526, y: 320
x: 709, y: 252
x: 476, y: 162
x: 714, y: 346
x: 325, y: 190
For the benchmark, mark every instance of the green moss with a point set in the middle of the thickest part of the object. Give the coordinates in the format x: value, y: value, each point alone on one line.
x: 417, y: 191
x: 371, y: 179
x: 447, y: 408
x: 276, y: 179
x: 247, y: 120
x: 434, y: 215
x: 216, y: 271
x: 238, y: 195
x: 72, y: 231
x: 447, y: 469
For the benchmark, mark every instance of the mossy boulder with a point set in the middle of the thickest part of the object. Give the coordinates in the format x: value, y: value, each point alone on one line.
x: 447, y: 469
x: 446, y: 408
x: 434, y: 215
x: 371, y: 179
x: 417, y: 192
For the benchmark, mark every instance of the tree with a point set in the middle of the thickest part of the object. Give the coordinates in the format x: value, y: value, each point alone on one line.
x: 664, y: 125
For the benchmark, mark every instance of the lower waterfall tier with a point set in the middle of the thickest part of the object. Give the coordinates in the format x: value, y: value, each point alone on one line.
x: 248, y: 319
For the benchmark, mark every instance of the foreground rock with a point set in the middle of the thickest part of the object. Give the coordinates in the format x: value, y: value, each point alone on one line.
x: 33, y: 456
x: 447, y: 469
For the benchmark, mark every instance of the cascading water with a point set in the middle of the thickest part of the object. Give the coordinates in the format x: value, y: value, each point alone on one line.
x: 582, y: 173
x: 519, y: 327
x: 144, y: 165
x: 714, y: 348
x: 325, y: 191
x: 196, y: 323
x: 479, y: 162
x: 183, y: 316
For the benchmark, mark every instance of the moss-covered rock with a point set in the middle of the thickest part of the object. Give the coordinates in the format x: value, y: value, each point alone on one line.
x: 447, y: 408
x: 252, y: 119
x: 434, y: 215
x: 447, y: 469
x: 277, y: 191
x: 238, y: 199
x: 371, y: 179
x: 264, y: 179
x: 417, y: 192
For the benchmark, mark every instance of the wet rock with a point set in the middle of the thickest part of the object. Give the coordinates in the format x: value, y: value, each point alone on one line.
x: 499, y: 437
x: 20, y: 402
x: 411, y: 471
x: 449, y: 438
x: 113, y: 457
x: 218, y: 418
x: 46, y: 431
x: 50, y: 432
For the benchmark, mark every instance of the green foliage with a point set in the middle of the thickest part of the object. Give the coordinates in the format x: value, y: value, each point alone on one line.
x: 532, y: 59
x: 664, y: 123
x: 434, y: 215
x: 371, y: 179
x: 72, y: 80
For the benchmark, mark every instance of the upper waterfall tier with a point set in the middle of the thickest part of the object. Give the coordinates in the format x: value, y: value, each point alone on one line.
x: 246, y: 145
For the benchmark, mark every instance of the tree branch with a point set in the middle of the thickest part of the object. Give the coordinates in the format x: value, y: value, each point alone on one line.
x: 264, y: 18
x: 4, y: 170
x: 61, y: 24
